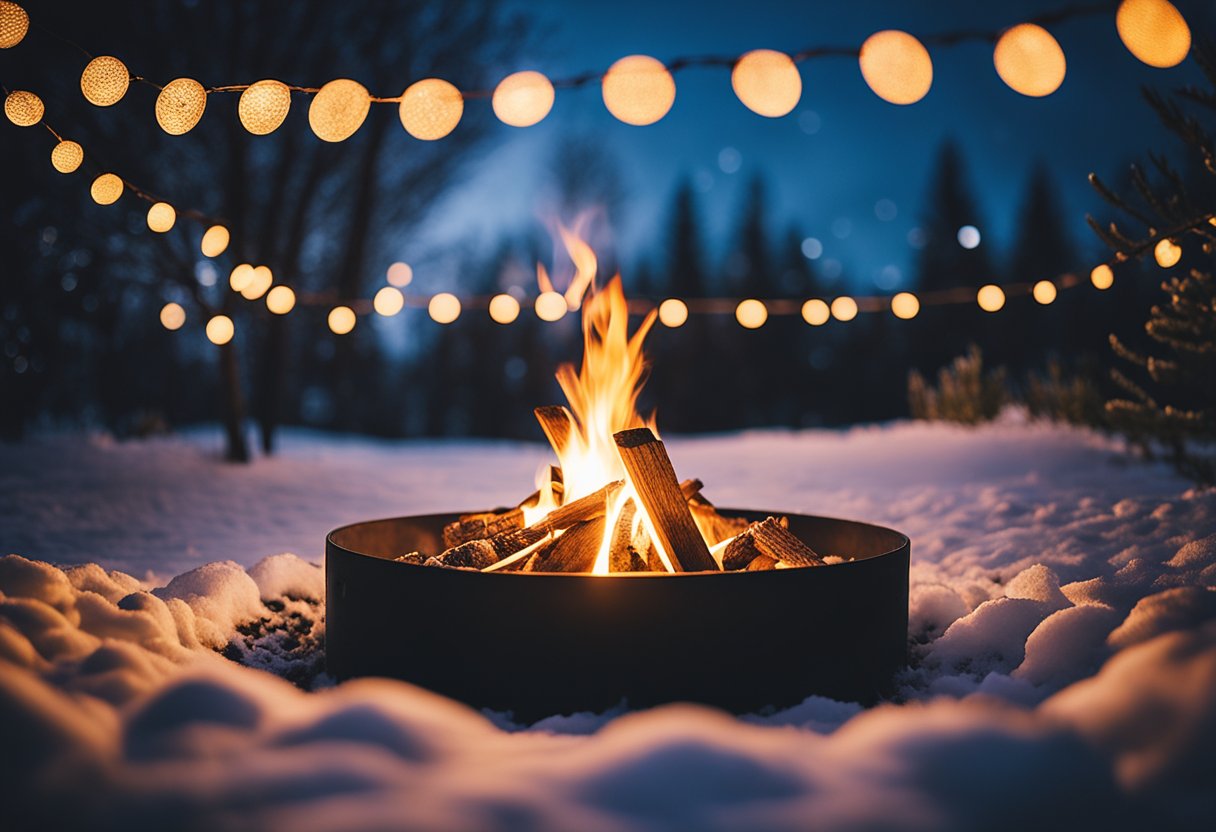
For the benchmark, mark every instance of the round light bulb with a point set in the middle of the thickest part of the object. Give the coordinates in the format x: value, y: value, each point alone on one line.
x: 240, y: 277
x: 896, y: 66
x: 673, y: 312
x: 767, y: 82
x: 104, y: 81
x: 430, y: 109
x: 215, y: 241
x: 106, y: 189
x: 220, y: 330
x: 388, y: 301
x: 968, y: 237
x: 444, y: 308
x: 23, y: 108
x: 263, y: 106
x: 1044, y: 292
x: 815, y: 312
x: 551, y: 306
x: 523, y: 99
x: 638, y: 90
x: 341, y: 320
x: 67, y: 156
x: 14, y: 24
x: 400, y: 275
x: 1167, y: 253
x: 1029, y: 60
x: 751, y: 313
x: 260, y: 281
x: 1154, y: 31
x: 180, y: 105
x: 504, y: 309
x: 1103, y: 277
x: 844, y: 308
x: 280, y: 300
x: 339, y: 109
x: 905, y: 306
x: 172, y: 316
x: 990, y: 298
x: 161, y: 217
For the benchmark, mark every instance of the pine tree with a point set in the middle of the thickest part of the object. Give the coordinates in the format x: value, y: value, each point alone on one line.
x: 1173, y: 405
x: 944, y: 262
x: 685, y: 268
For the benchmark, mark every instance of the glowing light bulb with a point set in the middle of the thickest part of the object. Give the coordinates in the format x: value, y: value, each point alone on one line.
x: 751, y: 313
x: 67, y: 156
x: 1103, y: 277
x: 240, y: 277
x: 14, y: 23
x: 106, y: 189
x: 968, y: 236
x: 1029, y: 60
x: 161, y: 217
x: 990, y: 298
x: 215, y: 241
x: 767, y: 82
x: 504, y: 309
x: 844, y: 308
x: 23, y: 108
x: 1167, y: 254
x: 341, y: 320
x: 263, y: 106
x: 1154, y: 31
x: 180, y: 105
x: 815, y: 312
x: 172, y: 316
x: 430, y: 109
x: 896, y: 66
x: 444, y: 308
x: 673, y: 312
x: 280, y: 300
x: 551, y: 306
x: 400, y: 275
x: 339, y: 109
x: 638, y: 90
x: 220, y: 330
x: 104, y: 81
x: 388, y: 301
x: 260, y: 280
x: 523, y: 99
x: 905, y: 306
x: 1044, y: 292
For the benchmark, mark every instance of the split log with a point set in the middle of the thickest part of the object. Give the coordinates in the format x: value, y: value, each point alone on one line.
x: 691, y: 488
x: 768, y: 538
x: 480, y: 526
x: 476, y: 554
x: 714, y: 527
x: 658, y: 490
x: 558, y: 423
x: 623, y: 556
x: 556, y: 487
x: 563, y: 517
x: 574, y: 551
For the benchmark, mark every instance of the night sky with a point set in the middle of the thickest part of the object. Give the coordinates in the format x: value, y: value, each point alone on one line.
x: 843, y: 149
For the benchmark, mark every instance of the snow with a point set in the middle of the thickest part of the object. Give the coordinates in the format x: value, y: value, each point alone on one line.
x: 1062, y: 645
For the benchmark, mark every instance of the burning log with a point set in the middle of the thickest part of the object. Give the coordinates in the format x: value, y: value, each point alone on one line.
x: 623, y: 556
x: 481, y: 526
x: 691, y: 488
x: 574, y: 551
x: 476, y: 554
x: 768, y: 538
x: 586, y: 508
x: 557, y: 423
x: 650, y: 471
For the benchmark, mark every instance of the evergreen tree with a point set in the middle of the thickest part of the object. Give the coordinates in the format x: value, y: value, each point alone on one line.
x: 944, y: 262
x: 685, y: 276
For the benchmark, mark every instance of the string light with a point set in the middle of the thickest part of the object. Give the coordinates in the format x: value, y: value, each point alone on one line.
x: 673, y: 312
x: 844, y: 308
x: 751, y: 313
x: 341, y: 320
x: 23, y: 108
x: 430, y: 109
x: 106, y: 189
x: 172, y: 316
x: 220, y: 330
x: 14, y: 23
x: 215, y: 241
x: 1044, y: 292
x: 1103, y: 277
x: 67, y: 156
x: 504, y: 309
x: 260, y: 281
x: 280, y: 300
x: 1029, y: 60
x: 815, y: 312
x: 161, y: 217
x: 263, y: 107
x: 551, y: 306
x: 638, y: 90
x: 444, y: 308
x: 969, y: 237
x: 896, y: 66
x: 1154, y: 31
x: 990, y: 298
x: 400, y: 275
x: 388, y: 301
x: 905, y: 306
x: 104, y: 81
x: 180, y: 105
x: 338, y: 110
x: 523, y: 99
x: 1167, y: 253
x: 767, y: 82
x: 241, y: 274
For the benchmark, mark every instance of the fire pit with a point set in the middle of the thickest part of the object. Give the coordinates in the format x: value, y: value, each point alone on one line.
x: 539, y: 644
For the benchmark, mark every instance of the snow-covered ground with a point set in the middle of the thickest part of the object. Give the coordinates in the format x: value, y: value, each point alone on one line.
x: 1063, y: 658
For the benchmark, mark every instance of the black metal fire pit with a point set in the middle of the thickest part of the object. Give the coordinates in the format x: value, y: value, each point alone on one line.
x: 539, y: 644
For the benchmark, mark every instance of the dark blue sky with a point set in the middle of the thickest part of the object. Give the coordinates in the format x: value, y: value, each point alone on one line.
x: 843, y: 149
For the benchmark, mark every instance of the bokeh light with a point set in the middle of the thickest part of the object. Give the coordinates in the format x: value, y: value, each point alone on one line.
x: 1154, y: 31
x: 23, y: 108
x: 104, y: 81
x: 767, y: 82
x: 504, y: 309
x: 215, y: 241
x: 430, y: 109
x: 751, y: 313
x: 400, y: 274
x: 241, y: 274
x: 172, y: 316
x: 673, y: 312
x: 896, y: 66
x: 260, y: 281
x: 844, y: 308
x: 388, y: 301
x: 1167, y: 253
x: 1044, y: 292
x: 220, y: 330
x: 990, y: 298
x: 905, y: 306
x: 1103, y: 277
x: 815, y: 312
x: 523, y: 98
x: 67, y: 156
x: 1029, y: 60
x: 280, y: 300
x: 969, y: 236
x: 638, y: 90
x: 339, y: 109
x: 341, y: 320
x: 444, y: 308
x: 106, y: 189
x: 264, y: 106
x: 14, y: 24
x: 551, y: 306
x: 161, y: 217
x: 180, y: 105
